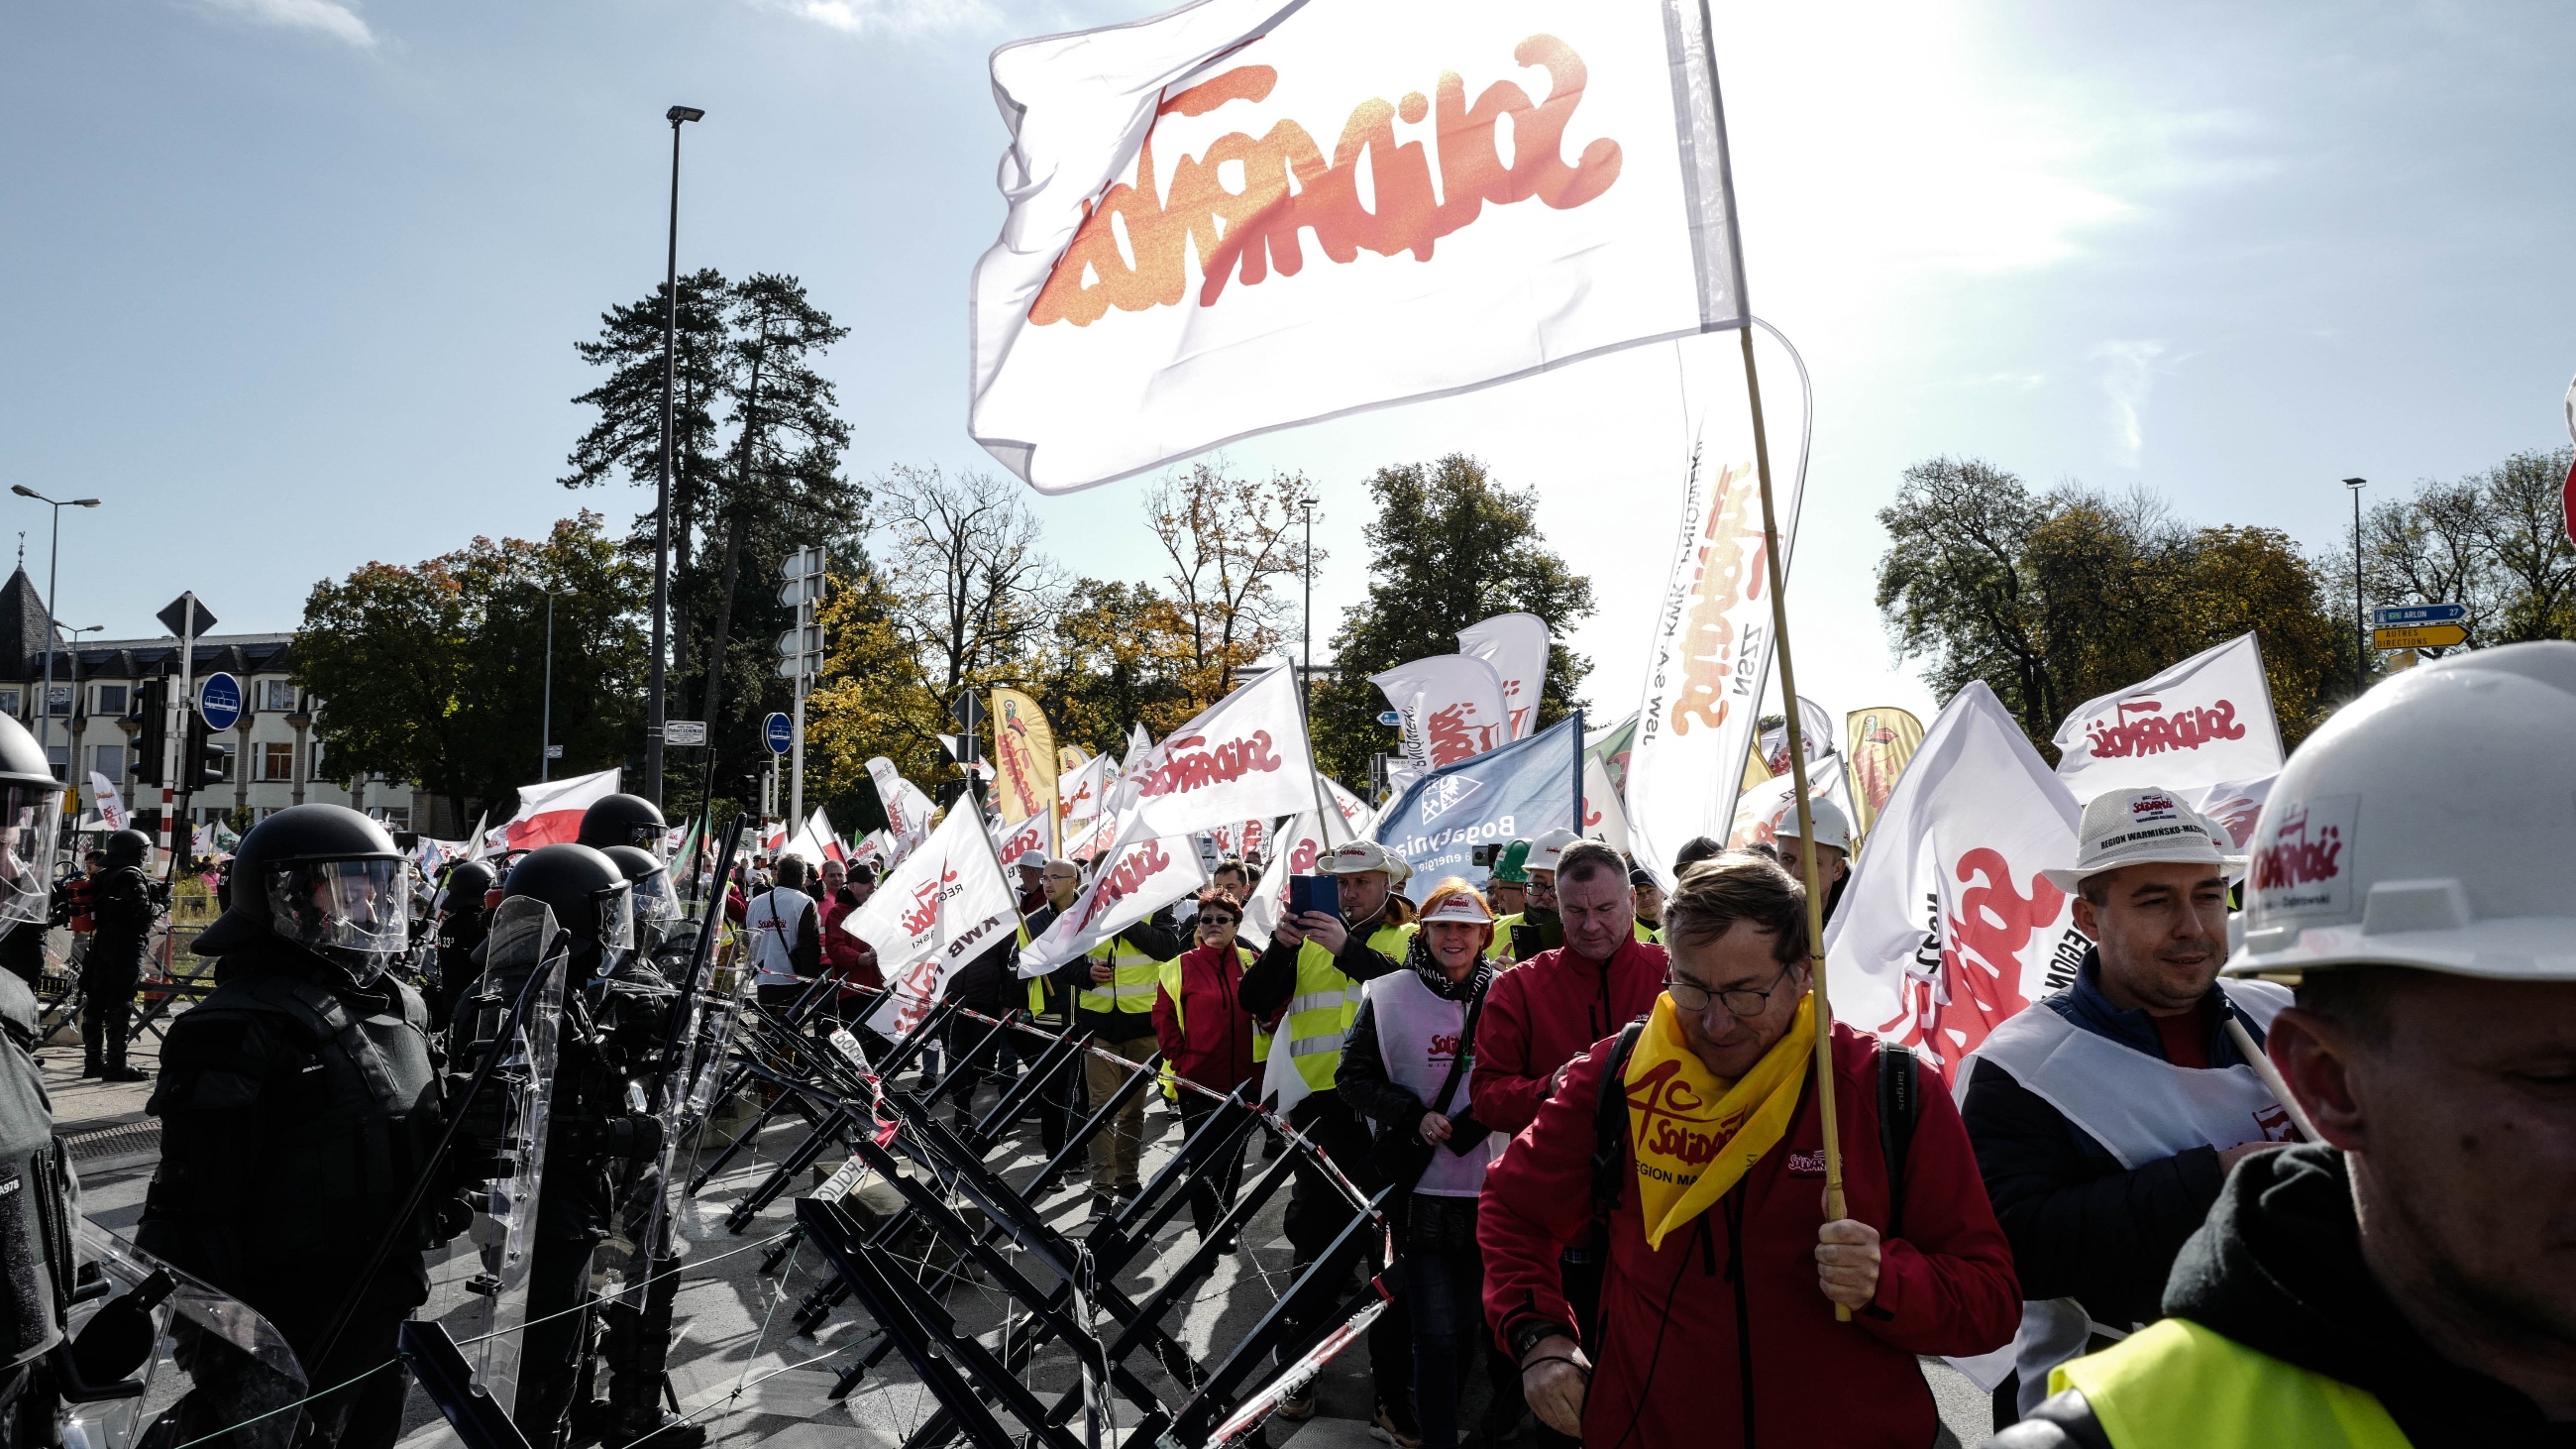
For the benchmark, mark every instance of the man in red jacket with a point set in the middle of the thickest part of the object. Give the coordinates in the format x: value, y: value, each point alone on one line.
x: 1717, y: 1313
x: 1549, y: 1010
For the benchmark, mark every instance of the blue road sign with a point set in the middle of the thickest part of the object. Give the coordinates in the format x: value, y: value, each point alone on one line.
x: 1389, y: 717
x: 779, y: 731
x: 219, y: 699
x: 2398, y: 615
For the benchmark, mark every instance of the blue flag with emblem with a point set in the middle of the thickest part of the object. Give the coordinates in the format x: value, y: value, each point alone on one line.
x: 1525, y: 788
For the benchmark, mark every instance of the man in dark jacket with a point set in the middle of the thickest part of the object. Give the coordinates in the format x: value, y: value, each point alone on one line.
x: 2106, y: 1115
x: 123, y: 907
x: 2410, y: 1277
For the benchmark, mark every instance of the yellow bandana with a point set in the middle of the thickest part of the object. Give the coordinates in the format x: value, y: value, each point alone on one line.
x: 1694, y: 1135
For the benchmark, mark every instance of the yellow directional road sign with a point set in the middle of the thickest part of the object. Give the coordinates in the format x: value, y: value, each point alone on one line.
x: 2421, y: 636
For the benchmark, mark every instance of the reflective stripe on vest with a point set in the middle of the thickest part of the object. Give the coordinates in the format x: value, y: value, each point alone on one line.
x: 1326, y: 1002
x: 2177, y: 1385
x: 1131, y: 985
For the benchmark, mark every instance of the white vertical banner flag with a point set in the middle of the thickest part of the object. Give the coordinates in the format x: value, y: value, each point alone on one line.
x: 1604, y: 818
x: 1300, y: 846
x: 1712, y: 634
x: 1245, y: 755
x: 1817, y: 732
x: 1079, y: 793
x: 1144, y: 875
x: 1947, y: 927
x: 907, y: 810
x: 1247, y: 214
x: 1516, y: 645
x: 1450, y: 707
x: 946, y: 904
x: 110, y: 805
x: 2205, y: 721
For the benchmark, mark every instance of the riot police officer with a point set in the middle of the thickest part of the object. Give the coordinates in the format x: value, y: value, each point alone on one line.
x: 123, y: 906
x: 37, y: 1203
x: 299, y: 1106
x: 463, y: 922
x: 623, y: 820
x: 615, y: 1011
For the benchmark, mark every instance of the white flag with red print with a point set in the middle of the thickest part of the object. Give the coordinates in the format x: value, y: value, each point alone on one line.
x: 1760, y: 810
x: 1247, y: 214
x: 2205, y: 721
x: 907, y: 810
x: 1079, y: 793
x: 1947, y: 928
x: 1300, y: 846
x: 1516, y: 645
x: 550, y: 813
x: 1010, y: 842
x: 1143, y: 876
x: 946, y: 904
x: 111, y: 806
x: 1245, y: 755
x: 1449, y: 706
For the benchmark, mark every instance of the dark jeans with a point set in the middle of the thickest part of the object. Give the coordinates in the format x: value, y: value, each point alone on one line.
x: 1218, y: 1183
x: 1446, y: 1290
x: 1055, y: 1096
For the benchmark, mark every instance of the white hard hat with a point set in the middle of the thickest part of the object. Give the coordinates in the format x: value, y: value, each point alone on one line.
x: 1031, y: 860
x: 1364, y: 855
x: 2428, y: 824
x: 1827, y: 818
x: 2142, y: 827
x: 1548, y: 848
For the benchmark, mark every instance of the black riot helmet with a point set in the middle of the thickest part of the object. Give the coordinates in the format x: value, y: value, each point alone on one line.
x: 322, y: 876
x: 656, y: 903
x: 622, y: 820
x: 588, y: 895
x: 31, y: 820
x: 126, y: 847
x: 468, y: 881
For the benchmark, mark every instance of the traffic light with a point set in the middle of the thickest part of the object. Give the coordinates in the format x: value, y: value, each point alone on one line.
x: 201, y: 762
x: 152, y: 737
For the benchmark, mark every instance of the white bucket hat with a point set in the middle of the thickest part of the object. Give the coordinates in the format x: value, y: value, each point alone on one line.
x: 1365, y: 855
x: 2143, y: 827
x: 1459, y: 906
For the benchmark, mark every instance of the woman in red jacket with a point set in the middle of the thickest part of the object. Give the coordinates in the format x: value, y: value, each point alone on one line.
x: 1208, y: 1038
x: 1717, y: 1318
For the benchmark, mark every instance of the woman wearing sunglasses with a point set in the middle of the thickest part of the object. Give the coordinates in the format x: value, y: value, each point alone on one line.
x: 1209, y: 1039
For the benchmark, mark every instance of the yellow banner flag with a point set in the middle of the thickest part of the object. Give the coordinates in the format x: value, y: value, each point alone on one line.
x: 1024, y: 760
x: 1755, y: 771
x: 1069, y: 758
x: 1882, y: 740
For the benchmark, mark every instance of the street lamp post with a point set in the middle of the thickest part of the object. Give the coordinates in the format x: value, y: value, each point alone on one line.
x: 677, y: 116
x: 1307, y: 629
x: 546, y: 729
x: 2361, y: 651
x: 53, y: 570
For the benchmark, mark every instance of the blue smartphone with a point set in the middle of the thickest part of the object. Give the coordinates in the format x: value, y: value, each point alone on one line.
x: 1314, y: 893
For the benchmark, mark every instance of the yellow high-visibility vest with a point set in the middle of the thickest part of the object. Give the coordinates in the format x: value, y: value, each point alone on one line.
x: 2177, y: 1385
x: 1135, y: 977
x: 1325, y: 1003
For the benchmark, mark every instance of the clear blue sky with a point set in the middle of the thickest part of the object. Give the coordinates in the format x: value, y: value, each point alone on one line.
x: 294, y: 283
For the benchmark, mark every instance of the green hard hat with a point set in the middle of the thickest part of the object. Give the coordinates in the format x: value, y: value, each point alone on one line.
x: 1511, y: 867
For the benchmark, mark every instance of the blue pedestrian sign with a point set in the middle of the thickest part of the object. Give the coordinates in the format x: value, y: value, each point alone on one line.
x: 219, y: 701
x: 2398, y: 616
x: 779, y: 731
x: 1389, y: 717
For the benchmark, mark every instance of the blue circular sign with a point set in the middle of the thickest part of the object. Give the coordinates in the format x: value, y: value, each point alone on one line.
x: 219, y: 700
x: 779, y: 731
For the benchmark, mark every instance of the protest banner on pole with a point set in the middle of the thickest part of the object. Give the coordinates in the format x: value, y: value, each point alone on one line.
x: 1516, y: 646
x: 1880, y: 742
x: 1449, y: 707
x: 1144, y: 875
x: 1024, y: 759
x: 2206, y: 720
x: 1526, y: 788
x: 942, y: 907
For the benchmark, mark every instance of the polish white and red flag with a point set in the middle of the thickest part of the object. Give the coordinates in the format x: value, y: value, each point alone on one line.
x: 945, y: 905
x: 815, y: 841
x: 1247, y: 214
x: 1516, y: 645
x: 1449, y: 707
x: 1947, y: 927
x: 2203, y: 722
x: 550, y: 813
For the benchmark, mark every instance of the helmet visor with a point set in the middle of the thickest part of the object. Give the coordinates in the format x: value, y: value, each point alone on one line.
x: 351, y: 908
x: 657, y: 903
x: 616, y: 918
x: 31, y: 819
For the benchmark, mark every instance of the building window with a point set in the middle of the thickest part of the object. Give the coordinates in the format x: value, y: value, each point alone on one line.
x: 58, y: 758
x: 313, y: 762
x: 11, y: 701
x: 277, y: 696
x: 277, y: 762
x: 226, y: 754
x: 109, y: 760
x: 59, y: 700
x: 108, y: 700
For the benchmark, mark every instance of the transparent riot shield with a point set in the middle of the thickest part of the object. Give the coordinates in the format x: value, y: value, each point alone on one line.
x: 179, y: 1360
x: 508, y: 1121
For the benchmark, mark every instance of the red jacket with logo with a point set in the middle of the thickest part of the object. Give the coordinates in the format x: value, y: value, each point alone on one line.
x: 845, y: 955
x: 1547, y: 1011
x: 1671, y: 1366
x: 1215, y: 1050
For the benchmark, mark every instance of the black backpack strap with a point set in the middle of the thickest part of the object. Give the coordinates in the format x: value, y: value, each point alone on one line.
x: 1900, y: 1103
x: 1610, y: 1121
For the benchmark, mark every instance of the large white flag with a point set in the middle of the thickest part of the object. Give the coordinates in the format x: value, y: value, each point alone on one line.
x: 1079, y: 792
x: 1516, y: 645
x: 1758, y: 811
x: 946, y: 904
x: 2205, y: 721
x: 1243, y: 756
x: 110, y: 805
x: 1450, y: 707
x: 816, y: 841
x: 1246, y: 214
x: 1300, y: 846
x: 1143, y: 876
x: 1010, y: 842
x: 1713, y: 638
x: 1947, y: 927
x: 907, y: 810
x: 1604, y: 818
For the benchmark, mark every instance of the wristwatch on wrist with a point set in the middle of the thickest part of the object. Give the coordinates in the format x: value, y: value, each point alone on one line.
x: 1531, y: 1332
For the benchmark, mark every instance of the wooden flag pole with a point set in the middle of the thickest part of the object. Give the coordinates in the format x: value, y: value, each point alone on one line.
x: 1834, y: 1205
